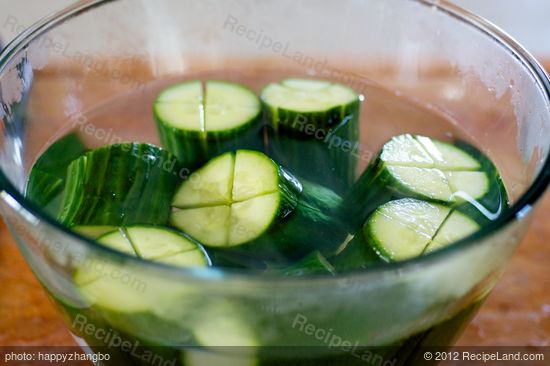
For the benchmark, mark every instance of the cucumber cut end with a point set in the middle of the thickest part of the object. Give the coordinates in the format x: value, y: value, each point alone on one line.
x: 253, y: 190
x: 428, y: 183
x: 307, y: 96
x: 402, y: 229
x: 118, y: 240
x: 456, y: 227
x: 468, y: 186
x: 216, y: 106
x: 93, y: 232
x: 250, y: 218
x: 405, y: 150
x: 154, y: 243
x: 223, y: 93
x: 190, y: 92
x: 208, y: 225
x: 254, y: 175
x: 210, y: 185
x: 180, y: 115
x: 447, y: 156
x: 435, y: 170
x: 118, y: 287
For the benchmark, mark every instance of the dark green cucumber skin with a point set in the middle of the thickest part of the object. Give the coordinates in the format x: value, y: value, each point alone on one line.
x: 314, y: 263
x: 312, y: 225
x: 120, y: 185
x: 376, y: 187
x: 47, y: 176
x: 321, y: 147
x: 195, y: 148
x: 368, y: 193
x: 496, y: 200
x: 358, y: 254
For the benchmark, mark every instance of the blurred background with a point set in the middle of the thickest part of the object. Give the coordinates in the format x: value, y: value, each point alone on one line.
x: 527, y: 21
x: 517, y: 312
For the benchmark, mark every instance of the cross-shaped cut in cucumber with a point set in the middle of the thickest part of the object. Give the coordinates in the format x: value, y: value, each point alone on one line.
x: 119, y: 288
x: 408, y: 228
x: 199, y: 120
x: 234, y: 199
x: 433, y: 170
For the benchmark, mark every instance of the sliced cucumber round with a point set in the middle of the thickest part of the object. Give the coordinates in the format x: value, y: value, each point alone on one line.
x: 430, y: 169
x: 408, y: 228
x: 234, y: 199
x: 119, y: 185
x: 321, y: 103
x: 427, y: 169
x: 402, y: 229
x: 123, y: 290
x: 314, y: 130
x: 197, y: 121
x: 94, y: 232
x: 457, y: 226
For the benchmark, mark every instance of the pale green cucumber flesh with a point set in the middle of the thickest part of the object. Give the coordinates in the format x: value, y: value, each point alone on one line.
x: 93, y: 232
x: 457, y: 226
x: 216, y: 106
x: 234, y: 199
x: 433, y: 169
x: 121, y: 289
x: 407, y: 228
x: 307, y: 96
x: 402, y: 229
x: 425, y: 168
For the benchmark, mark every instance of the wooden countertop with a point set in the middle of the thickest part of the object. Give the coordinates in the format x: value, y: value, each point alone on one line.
x: 517, y: 312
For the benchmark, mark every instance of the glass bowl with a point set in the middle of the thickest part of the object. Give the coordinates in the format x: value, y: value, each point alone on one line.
x: 61, y: 73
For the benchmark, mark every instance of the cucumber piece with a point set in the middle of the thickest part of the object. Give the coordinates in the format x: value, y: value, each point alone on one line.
x: 457, y: 226
x: 234, y: 199
x: 314, y: 130
x: 94, y: 232
x: 198, y: 121
x: 323, y: 103
x: 47, y: 176
x: 120, y: 185
x: 124, y: 291
x: 421, y: 167
x: 312, y: 226
x: 403, y: 229
x: 491, y: 206
x: 248, y: 203
x: 408, y: 228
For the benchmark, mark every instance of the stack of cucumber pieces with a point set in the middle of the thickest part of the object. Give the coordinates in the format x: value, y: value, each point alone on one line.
x: 270, y: 189
x: 427, y: 193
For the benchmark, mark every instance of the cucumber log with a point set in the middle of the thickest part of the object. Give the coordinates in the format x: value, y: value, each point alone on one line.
x: 314, y: 130
x: 407, y: 228
x: 197, y: 121
x: 116, y: 288
x: 246, y: 202
x: 48, y: 174
x: 456, y: 175
x: 120, y: 185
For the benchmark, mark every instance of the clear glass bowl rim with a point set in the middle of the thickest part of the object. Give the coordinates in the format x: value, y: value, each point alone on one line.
x: 523, y: 205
